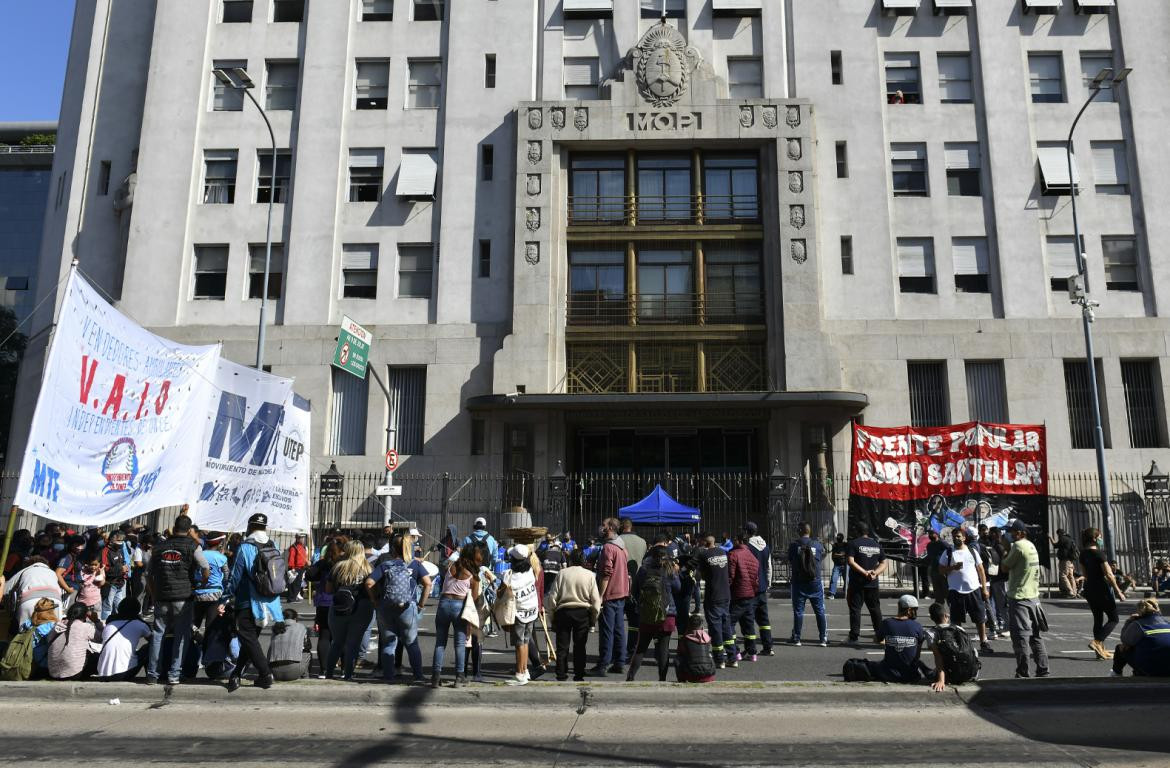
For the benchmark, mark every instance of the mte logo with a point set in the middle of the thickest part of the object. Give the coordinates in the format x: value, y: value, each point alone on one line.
x: 257, y: 435
x: 44, y: 481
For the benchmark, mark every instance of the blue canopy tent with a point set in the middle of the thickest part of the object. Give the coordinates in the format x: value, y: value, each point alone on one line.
x: 660, y: 508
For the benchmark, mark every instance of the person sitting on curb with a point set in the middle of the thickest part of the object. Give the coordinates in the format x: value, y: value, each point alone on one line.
x: 1145, y: 643
x: 694, y: 662
x: 290, y: 649
x: 903, y: 637
x: 955, y: 660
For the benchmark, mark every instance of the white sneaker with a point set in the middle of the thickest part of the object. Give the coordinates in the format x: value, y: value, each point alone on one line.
x: 527, y: 676
x: 517, y: 680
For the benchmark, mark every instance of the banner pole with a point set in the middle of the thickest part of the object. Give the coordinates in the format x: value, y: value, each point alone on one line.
x: 8, y: 535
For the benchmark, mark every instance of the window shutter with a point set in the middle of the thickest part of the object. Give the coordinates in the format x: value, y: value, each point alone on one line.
x: 744, y: 71
x: 970, y: 255
x: 1109, y: 167
x: 582, y: 71
x: 416, y: 174
x: 908, y: 152
x: 1062, y: 257
x: 372, y: 73
x: 365, y: 158
x: 962, y: 156
x: 359, y: 256
x: 915, y: 258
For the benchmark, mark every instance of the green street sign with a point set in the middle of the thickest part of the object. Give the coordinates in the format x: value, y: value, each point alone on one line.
x: 353, y: 348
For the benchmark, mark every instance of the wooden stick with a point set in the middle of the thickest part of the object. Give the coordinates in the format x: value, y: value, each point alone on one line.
x: 548, y: 643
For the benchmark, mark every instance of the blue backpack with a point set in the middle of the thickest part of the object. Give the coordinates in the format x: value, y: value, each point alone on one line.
x: 398, y: 584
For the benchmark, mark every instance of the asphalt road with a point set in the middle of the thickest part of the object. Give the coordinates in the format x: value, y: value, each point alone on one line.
x: 1069, y: 620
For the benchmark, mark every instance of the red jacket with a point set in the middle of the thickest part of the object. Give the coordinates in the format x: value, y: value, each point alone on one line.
x: 743, y: 569
x: 298, y: 557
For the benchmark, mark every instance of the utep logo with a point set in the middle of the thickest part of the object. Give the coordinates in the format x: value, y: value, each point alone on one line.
x: 292, y: 448
x: 44, y: 481
x: 260, y: 432
x: 120, y: 466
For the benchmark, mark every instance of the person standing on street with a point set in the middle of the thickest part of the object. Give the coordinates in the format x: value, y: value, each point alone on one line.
x: 1100, y: 587
x: 480, y: 537
x: 399, y: 588
x: 743, y: 573
x: 713, y: 568
x: 935, y: 547
x: 116, y: 560
x: 253, y: 610
x: 840, y: 573
x: 298, y: 561
x: 636, y: 547
x: 613, y: 582
x: 657, y: 588
x: 995, y: 550
x: 1066, y: 557
x: 967, y: 585
x: 804, y: 558
x: 575, y: 604
x: 763, y: 554
x: 169, y: 583
x: 866, y: 563
x: 1025, y: 617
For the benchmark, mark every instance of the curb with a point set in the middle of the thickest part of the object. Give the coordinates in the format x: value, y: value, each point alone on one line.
x: 581, y: 696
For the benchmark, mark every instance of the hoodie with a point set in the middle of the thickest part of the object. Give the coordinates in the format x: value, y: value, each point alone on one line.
x: 763, y: 554
x: 265, y: 610
x: 481, y: 535
x: 744, y: 572
x: 611, y: 564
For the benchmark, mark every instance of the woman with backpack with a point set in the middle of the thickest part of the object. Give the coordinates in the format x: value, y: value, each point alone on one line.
x: 520, y: 583
x: 317, y: 574
x: 658, y: 589
x: 1100, y: 587
x: 27, y: 656
x: 69, y: 654
x: 351, y: 611
x: 462, y: 583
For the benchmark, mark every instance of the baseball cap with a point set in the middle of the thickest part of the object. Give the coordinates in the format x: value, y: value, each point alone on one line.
x: 259, y: 519
x: 750, y: 527
x: 1018, y: 525
x: 413, y: 532
x: 480, y: 522
x: 907, y: 601
x: 215, y: 538
x: 518, y: 552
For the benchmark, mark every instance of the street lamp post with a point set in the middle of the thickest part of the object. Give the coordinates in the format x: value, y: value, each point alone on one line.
x: 237, y: 79
x: 1079, y: 295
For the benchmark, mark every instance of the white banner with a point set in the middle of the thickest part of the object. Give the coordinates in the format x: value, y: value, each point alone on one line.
x: 256, y: 453
x: 118, y: 426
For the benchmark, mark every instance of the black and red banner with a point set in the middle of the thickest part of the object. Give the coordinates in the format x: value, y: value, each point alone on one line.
x: 907, y: 481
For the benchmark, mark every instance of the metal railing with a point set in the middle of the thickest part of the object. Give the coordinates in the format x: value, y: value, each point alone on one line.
x: 649, y: 210
x: 740, y: 308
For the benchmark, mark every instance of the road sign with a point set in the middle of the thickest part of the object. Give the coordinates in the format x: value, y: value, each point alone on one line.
x: 388, y: 490
x: 391, y: 461
x: 353, y: 348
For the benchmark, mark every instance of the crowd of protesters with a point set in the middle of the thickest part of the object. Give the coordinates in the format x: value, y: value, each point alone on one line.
x: 129, y: 603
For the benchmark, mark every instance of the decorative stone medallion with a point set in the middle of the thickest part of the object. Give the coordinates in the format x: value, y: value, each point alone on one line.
x: 769, y: 116
x: 532, y: 253
x: 793, y: 116
x: 747, y: 116
x: 532, y: 219
x: 535, y: 152
x: 533, y: 185
x: 535, y: 118
x: 581, y: 118
x: 799, y: 251
x: 795, y: 182
x: 796, y: 216
x: 794, y: 149
x: 662, y: 63
x: 557, y: 117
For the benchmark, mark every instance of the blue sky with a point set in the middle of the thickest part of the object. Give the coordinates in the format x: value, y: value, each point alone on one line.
x: 34, y: 44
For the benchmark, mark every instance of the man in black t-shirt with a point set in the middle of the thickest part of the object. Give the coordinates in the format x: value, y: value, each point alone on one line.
x: 938, y: 580
x: 1066, y: 555
x: 840, y: 572
x: 712, y: 565
x: 866, y: 563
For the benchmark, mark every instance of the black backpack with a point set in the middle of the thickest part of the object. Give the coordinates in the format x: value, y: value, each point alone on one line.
x: 114, y: 563
x: 806, y: 563
x: 960, y: 662
x: 269, y: 571
x: 856, y: 671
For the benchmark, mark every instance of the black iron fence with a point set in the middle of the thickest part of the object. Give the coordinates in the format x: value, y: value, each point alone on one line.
x: 577, y: 502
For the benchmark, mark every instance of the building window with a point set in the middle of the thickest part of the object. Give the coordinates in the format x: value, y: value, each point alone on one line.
x: 733, y: 284
x: 1121, y: 267
x: 372, y: 84
x: 963, y: 162
x: 377, y: 10
x: 1091, y: 65
x: 428, y: 10
x: 347, y: 428
x: 1079, y: 399
x: 954, y: 78
x: 256, y: 256
x: 1110, y: 169
x: 582, y: 75
x: 666, y: 285
x: 365, y: 175
x: 745, y: 77
x: 280, y: 90
x: 489, y: 70
x: 223, y: 97
x: 487, y: 161
x: 598, y: 184
x: 664, y: 187
x: 478, y: 436
x: 264, y: 180
x: 670, y: 9
x: 359, y: 271
x: 291, y: 11
x: 1062, y: 261
x: 210, y: 272
x: 903, y: 81
x: 730, y: 191
x: 424, y: 83
x: 1053, y: 160
x: 971, y: 263
x: 846, y: 254
x: 1142, y: 407
x: 415, y: 264
x: 408, y: 406
x: 597, y: 286
x: 908, y: 165
x: 485, y: 258
x: 986, y: 391
x: 1047, y: 77
x: 104, y: 171
x: 237, y: 12
x: 15, y: 283
x: 916, y: 265
x: 835, y: 66
x: 929, y: 403
x: 219, y: 176
x: 842, y: 160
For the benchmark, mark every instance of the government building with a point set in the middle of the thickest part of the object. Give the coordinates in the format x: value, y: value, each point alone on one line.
x: 666, y: 236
